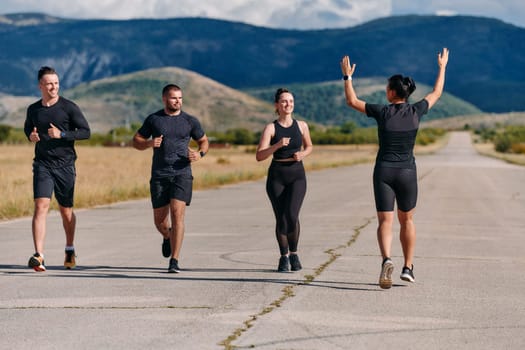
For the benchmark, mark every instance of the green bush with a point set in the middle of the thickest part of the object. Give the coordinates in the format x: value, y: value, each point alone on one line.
x: 510, y: 139
x: 428, y: 136
x: 5, y: 130
x: 502, y: 143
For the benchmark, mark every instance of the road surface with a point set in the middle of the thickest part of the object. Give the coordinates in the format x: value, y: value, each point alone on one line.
x: 469, y: 290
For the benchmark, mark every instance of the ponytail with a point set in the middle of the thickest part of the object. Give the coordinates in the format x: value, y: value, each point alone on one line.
x: 403, y: 86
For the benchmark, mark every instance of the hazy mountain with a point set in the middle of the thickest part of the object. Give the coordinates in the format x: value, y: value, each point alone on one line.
x: 130, y: 98
x: 126, y: 99
x: 485, y: 69
x: 325, y: 103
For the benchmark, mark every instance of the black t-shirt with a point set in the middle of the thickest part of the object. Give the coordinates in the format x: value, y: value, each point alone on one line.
x: 67, y: 117
x: 171, y: 158
x: 397, y: 126
x: 296, y: 140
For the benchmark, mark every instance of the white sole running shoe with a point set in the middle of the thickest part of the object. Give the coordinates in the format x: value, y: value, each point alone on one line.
x: 37, y: 263
x: 385, y: 278
x: 407, y: 274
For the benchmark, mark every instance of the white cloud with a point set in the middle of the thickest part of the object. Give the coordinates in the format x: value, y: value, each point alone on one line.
x: 509, y: 11
x: 299, y: 14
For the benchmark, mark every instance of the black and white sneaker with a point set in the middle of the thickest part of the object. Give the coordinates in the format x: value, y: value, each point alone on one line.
x: 407, y: 274
x: 385, y: 278
x: 174, y: 266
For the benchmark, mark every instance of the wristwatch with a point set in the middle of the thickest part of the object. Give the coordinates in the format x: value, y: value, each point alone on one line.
x: 62, y: 134
x: 202, y: 153
x: 347, y: 77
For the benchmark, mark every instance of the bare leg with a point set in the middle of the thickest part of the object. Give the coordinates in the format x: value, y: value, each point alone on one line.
x: 69, y: 221
x: 407, y: 235
x: 39, y: 223
x: 384, y: 232
x: 178, y: 209
x: 161, y: 219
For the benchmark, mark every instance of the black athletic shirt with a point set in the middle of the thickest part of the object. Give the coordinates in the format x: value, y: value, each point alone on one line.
x: 397, y: 126
x: 171, y: 158
x: 296, y: 140
x: 66, y: 116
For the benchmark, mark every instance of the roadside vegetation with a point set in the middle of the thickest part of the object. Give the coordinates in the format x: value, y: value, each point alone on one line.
x: 113, y: 174
x: 503, y: 142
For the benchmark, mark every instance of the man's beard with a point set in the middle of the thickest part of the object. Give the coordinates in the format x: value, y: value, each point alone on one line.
x: 172, y: 109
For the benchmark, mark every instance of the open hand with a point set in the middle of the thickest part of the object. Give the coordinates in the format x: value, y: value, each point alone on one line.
x: 443, y: 58
x: 346, y: 67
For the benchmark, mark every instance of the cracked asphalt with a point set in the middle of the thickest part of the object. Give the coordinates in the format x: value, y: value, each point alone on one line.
x: 469, y: 270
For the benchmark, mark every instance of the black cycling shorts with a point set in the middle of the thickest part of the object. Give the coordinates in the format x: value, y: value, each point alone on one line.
x: 395, y: 185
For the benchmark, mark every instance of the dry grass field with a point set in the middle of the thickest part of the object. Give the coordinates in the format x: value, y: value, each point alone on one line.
x: 487, y: 149
x: 108, y: 175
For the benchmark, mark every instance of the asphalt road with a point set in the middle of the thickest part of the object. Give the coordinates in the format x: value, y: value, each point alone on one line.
x: 469, y: 290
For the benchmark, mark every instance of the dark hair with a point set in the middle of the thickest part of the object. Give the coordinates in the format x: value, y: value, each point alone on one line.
x: 170, y: 87
x: 46, y: 70
x: 279, y: 92
x: 403, y: 86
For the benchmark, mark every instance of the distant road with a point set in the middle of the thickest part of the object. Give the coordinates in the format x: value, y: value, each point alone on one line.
x: 469, y: 270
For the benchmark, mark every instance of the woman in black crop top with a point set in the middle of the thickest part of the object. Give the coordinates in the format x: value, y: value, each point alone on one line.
x: 395, y: 177
x: 288, y: 142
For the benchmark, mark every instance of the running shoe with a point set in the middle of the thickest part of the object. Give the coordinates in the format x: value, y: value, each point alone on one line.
x: 385, y: 278
x: 284, y: 264
x: 174, y: 266
x: 407, y: 274
x: 69, y: 260
x: 295, y: 263
x: 37, y: 263
x: 166, y: 248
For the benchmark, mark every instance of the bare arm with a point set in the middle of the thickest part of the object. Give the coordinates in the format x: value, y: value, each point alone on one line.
x: 141, y: 143
x: 203, y: 147
x: 351, y: 97
x: 434, y: 96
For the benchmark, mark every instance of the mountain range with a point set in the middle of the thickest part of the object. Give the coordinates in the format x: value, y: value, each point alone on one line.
x: 486, y: 63
x: 125, y: 100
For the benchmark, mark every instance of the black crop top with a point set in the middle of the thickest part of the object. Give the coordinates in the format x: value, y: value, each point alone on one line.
x: 296, y: 140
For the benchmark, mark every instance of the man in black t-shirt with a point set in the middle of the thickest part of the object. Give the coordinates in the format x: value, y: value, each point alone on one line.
x: 169, y: 132
x: 53, y: 123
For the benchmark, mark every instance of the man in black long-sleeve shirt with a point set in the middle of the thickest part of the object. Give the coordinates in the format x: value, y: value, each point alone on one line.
x: 53, y: 123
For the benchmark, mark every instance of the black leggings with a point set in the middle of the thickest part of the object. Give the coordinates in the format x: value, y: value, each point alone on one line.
x: 395, y: 184
x: 286, y: 188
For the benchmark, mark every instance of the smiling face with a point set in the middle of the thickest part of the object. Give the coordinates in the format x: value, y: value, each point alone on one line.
x: 285, y: 104
x: 49, y: 86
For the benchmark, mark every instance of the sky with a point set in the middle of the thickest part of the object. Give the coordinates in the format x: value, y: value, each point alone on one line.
x: 289, y: 14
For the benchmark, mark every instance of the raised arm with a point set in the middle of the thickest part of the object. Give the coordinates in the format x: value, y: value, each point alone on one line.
x: 351, y: 98
x: 434, y: 96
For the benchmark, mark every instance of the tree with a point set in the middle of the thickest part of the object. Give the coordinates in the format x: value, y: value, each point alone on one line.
x: 4, y: 132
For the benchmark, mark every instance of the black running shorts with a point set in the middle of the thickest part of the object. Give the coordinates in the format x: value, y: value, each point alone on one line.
x: 176, y: 187
x: 60, y: 180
